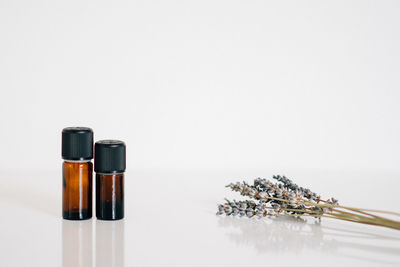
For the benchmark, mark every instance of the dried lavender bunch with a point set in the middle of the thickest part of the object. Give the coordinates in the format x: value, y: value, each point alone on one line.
x: 285, y: 198
x: 246, y: 208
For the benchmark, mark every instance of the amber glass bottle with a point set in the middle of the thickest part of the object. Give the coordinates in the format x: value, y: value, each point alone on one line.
x: 77, y: 152
x: 109, y: 164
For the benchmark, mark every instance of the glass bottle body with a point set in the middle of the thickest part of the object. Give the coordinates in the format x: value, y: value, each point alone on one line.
x: 77, y: 190
x: 110, y: 196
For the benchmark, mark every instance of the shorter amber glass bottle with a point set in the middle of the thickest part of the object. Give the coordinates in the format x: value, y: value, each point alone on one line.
x: 77, y: 152
x: 110, y: 164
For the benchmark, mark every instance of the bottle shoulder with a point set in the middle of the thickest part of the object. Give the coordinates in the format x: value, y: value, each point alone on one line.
x: 76, y: 164
x: 110, y: 175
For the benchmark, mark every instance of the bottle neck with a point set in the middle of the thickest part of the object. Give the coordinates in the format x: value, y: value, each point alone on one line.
x: 110, y: 173
x: 77, y: 161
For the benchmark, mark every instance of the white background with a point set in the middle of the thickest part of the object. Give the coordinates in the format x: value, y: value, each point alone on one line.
x: 204, y: 84
x: 203, y: 93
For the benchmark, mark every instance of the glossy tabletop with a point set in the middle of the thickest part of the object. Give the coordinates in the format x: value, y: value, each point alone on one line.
x: 171, y: 221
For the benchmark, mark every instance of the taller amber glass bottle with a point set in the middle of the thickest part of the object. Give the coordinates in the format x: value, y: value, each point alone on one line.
x: 77, y: 152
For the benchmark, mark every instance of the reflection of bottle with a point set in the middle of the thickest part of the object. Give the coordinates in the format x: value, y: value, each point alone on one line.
x: 77, y: 152
x: 109, y: 164
x: 110, y: 243
x: 77, y: 244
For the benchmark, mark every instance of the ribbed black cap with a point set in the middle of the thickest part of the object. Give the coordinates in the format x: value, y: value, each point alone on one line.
x: 77, y: 143
x: 109, y: 156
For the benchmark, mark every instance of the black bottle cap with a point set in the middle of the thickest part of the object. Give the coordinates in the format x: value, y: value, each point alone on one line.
x: 109, y: 156
x: 77, y: 143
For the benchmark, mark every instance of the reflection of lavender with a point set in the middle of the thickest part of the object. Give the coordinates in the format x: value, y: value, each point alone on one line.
x: 288, y: 234
x: 283, y: 234
x: 285, y: 198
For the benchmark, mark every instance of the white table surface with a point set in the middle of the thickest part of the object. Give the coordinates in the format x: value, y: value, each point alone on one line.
x: 170, y: 221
